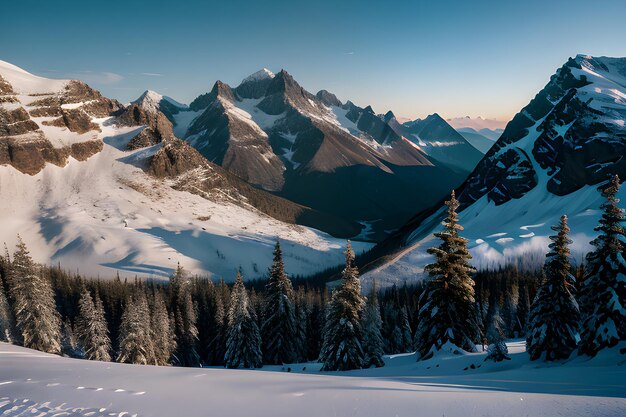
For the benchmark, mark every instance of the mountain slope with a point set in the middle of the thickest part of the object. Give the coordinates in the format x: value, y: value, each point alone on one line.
x: 439, y: 140
x: 478, y: 140
x: 549, y: 161
x: 336, y: 158
x: 136, y: 209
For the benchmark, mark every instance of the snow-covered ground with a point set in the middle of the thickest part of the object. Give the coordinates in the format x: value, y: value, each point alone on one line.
x: 37, y: 384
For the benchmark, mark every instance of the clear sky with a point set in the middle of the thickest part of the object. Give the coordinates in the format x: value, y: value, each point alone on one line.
x: 457, y: 58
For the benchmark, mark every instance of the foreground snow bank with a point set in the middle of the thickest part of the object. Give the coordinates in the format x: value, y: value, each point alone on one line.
x: 37, y: 384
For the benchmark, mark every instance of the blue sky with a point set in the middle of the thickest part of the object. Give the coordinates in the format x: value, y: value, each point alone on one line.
x: 457, y: 58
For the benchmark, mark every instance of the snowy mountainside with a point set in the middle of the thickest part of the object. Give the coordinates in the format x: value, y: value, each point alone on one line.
x: 339, y: 159
x: 39, y: 384
x: 549, y: 161
x: 137, y: 209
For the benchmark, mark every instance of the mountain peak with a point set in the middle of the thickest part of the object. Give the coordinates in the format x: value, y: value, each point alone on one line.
x: 262, y: 74
x: 328, y: 98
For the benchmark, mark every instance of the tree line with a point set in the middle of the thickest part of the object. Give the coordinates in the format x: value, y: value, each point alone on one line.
x: 193, y: 321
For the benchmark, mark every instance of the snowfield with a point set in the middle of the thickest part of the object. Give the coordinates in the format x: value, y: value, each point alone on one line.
x: 38, y: 384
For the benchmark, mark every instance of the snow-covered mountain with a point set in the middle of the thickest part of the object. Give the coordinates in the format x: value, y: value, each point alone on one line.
x: 334, y: 157
x: 99, y: 186
x: 549, y: 161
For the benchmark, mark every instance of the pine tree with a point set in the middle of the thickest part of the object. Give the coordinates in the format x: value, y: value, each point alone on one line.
x: 448, y: 312
x: 497, y: 350
x: 279, y: 321
x: 69, y: 345
x: 184, y: 319
x: 135, y: 335
x: 343, y: 337
x: 372, y: 339
x: 162, y: 331
x: 603, y: 291
x: 217, y: 345
x: 554, y: 315
x: 35, y: 311
x: 91, y: 328
x: 243, y: 343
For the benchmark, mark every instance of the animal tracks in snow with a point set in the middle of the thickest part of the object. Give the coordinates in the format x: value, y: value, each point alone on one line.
x: 28, y: 408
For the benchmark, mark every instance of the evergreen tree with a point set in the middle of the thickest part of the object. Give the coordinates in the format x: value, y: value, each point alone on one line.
x: 603, y: 291
x: 343, y: 337
x: 35, y: 311
x: 185, y: 319
x: 135, y: 335
x: 92, y: 330
x: 497, y: 350
x: 69, y: 345
x: 243, y: 343
x: 554, y: 315
x: 448, y: 313
x: 162, y: 330
x: 279, y: 321
x: 217, y: 345
x: 372, y: 338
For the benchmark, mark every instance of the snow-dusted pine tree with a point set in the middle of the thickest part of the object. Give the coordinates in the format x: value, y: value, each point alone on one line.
x: 35, y: 311
x: 373, y: 344
x: 497, y: 350
x: 554, y: 317
x: 243, y: 343
x: 91, y: 328
x: 279, y: 321
x: 135, y: 335
x: 603, y: 291
x: 448, y: 312
x: 162, y: 330
x: 342, y: 349
x: 184, y: 319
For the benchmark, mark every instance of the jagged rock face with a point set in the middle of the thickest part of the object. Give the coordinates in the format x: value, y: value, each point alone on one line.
x: 158, y: 127
x: 328, y: 98
x: 255, y: 85
x: 570, y: 135
x: 47, y: 121
x: 372, y: 124
x: 315, y: 151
